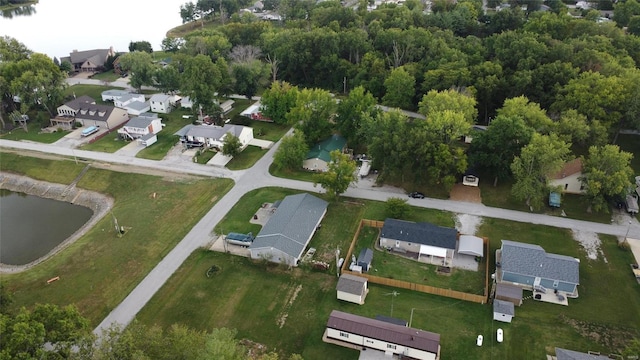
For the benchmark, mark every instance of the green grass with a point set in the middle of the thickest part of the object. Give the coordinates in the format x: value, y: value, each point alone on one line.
x: 100, y: 269
x: 94, y: 91
x: 106, y: 76
x: 268, y: 131
x: 166, y: 138
x: 33, y: 134
x: 108, y: 144
x: 631, y: 143
x: 301, y: 174
x: 205, y: 156
x: 249, y: 156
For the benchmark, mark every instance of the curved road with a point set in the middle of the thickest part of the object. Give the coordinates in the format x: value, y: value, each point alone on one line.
x: 256, y: 177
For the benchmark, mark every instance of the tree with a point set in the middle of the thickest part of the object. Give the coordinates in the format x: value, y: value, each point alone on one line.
x: 249, y: 77
x: 624, y: 11
x: 292, y: 152
x: 231, y: 145
x: 634, y: 25
x: 171, y: 44
x: 396, y: 208
x: 200, y: 81
x: 313, y: 114
x: 140, y: 46
x: 400, y: 89
x: 188, y: 12
x: 451, y: 100
x: 542, y: 157
x: 140, y: 65
x: 530, y: 112
x: 358, y: 104
x: 278, y: 100
x: 573, y: 127
x: 606, y: 173
x: 341, y: 172
x: 167, y: 79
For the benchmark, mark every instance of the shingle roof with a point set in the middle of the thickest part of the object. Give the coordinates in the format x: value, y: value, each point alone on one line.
x: 508, y: 291
x: 532, y: 260
x: 420, y: 233
x: 572, y: 167
x: 292, y: 225
x: 97, y: 56
x: 76, y: 103
x: 503, y: 307
x: 160, y: 97
x: 140, y: 122
x: 351, y: 284
x: 365, y: 256
x: 115, y: 92
x: 85, y: 108
x: 384, y: 331
x: 323, y: 149
x: 212, y: 131
x: 138, y: 105
x: 564, y: 354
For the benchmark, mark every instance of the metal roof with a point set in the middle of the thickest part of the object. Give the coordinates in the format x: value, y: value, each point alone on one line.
x: 291, y: 226
x: 532, y: 260
x: 419, y: 233
x: 503, y: 307
x: 351, y: 284
x: 384, y: 331
x: 323, y: 149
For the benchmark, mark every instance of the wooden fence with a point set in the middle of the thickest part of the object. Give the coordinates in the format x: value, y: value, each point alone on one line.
x: 482, y: 299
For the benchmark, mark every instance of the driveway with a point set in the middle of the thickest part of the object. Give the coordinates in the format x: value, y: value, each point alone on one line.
x: 219, y: 159
x: 263, y: 144
x: 131, y: 149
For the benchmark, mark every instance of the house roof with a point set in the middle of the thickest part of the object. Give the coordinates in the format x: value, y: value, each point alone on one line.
x: 86, y: 108
x: 564, y: 354
x: 572, y: 167
x: 140, y: 122
x: 532, y: 260
x: 420, y: 233
x: 291, y: 226
x: 322, y: 150
x: 115, y: 92
x: 471, y: 245
x: 96, y: 56
x: 384, y: 331
x: 139, y: 105
x: 366, y: 255
x: 503, y: 307
x: 508, y: 291
x: 160, y: 97
x: 76, y: 103
x: 211, y: 131
x: 391, y: 320
x: 129, y: 96
x: 351, y: 284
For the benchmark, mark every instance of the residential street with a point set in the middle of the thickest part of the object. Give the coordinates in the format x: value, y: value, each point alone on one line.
x: 256, y: 177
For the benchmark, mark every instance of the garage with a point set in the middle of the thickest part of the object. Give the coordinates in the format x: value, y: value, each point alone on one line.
x: 471, y: 245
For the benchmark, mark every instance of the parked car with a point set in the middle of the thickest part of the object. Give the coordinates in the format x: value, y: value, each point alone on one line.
x: 416, y: 195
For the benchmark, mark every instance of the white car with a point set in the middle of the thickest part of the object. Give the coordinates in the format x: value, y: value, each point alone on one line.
x: 500, y: 335
x: 479, y: 340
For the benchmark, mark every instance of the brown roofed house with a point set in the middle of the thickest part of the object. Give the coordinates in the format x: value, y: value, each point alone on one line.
x: 568, y: 178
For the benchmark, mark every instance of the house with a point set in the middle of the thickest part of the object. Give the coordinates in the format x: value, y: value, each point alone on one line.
x: 254, y: 112
x: 364, y: 259
x: 530, y: 267
x: 137, y: 107
x: 434, y: 244
x: 161, y: 103
x: 142, y: 128
x: 352, y: 288
x: 88, y: 60
x: 569, y: 178
x: 564, y: 354
x: 211, y: 136
x: 318, y: 157
x: 186, y: 103
x: 503, y: 311
x: 111, y: 95
x: 510, y: 293
x: 285, y: 236
x: 85, y: 111
x: 123, y: 100
x: 227, y: 106
x: 394, y: 340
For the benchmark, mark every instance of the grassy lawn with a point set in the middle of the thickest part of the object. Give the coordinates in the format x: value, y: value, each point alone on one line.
x: 268, y: 131
x: 246, y: 158
x: 94, y: 91
x: 106, y: 76
x: 301, y: 174
x: 33, y: 134
x: 109, y: 144
x: 631, y: 143
x: 100, y: 269
x: 204, y: 157
x: 394, y: 266
x: 166, y: 137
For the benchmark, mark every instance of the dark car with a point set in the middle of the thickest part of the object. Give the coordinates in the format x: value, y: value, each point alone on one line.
x: 416, y: 195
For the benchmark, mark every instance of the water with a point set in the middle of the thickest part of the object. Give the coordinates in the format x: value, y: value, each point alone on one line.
x: 57, y: 27
x: 31, y: 226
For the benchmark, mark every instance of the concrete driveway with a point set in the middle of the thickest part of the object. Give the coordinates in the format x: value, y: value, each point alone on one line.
x: 219, y: 159
x: 263, y: 144
x: 131, y: 149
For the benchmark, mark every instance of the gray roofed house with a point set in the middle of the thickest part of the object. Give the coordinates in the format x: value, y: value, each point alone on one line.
x: 88, y: 60
x: 352, y: 288
x: 110, y: 95
x: 85, y: 111
x: 348, y: 330
x: 437, y: 242
x: 564, y: 354
x: 287, y: 233
x: 503, y: 311
x: 529, y: 266
x: 211, y: 136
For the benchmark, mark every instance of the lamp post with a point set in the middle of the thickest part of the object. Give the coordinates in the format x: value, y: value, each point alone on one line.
x: 627, y: 234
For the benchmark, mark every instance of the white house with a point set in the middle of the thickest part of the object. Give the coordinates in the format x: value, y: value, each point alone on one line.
x: 186, y: 102
x: 569, y: 178
x: 161, y: 103
x: 123, y: 100
x: 352, y: 288
x: 394, y: 340
x: 503, y: 311
x: 111, y: 95
x: 211, y: 136
x: 142, y: 128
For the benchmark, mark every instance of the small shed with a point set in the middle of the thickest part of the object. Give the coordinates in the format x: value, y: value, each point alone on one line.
x: 352, y: 288
x: 365, y: 258
x: 510, y: 293
x: 471, y: 245
x: 554, y: 199
x: 503, y: 311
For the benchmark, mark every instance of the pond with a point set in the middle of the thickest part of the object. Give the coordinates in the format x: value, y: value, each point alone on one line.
x: 31, y: 226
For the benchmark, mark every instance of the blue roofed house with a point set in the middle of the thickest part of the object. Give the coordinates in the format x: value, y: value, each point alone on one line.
x: 318, y: 157
x: 530, y: 267
x: 432, y: 243
x: 289, y: 230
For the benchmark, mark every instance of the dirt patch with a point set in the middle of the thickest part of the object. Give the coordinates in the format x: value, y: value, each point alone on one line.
x: 98, y: 203
x: 467, y: 224
x: 291, y: 298
x: 465, y: 193
x: 590, y: 242
x: 610, y: 338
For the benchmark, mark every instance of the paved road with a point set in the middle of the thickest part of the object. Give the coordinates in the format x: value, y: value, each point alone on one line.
x: 256, y: 177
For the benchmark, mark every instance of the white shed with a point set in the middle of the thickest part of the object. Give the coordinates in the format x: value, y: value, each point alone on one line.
x: 352, y: 288
x: 503, y: 311
x: 470, y: 245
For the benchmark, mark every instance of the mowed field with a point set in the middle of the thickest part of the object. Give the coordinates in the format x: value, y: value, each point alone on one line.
x: 287, y: 310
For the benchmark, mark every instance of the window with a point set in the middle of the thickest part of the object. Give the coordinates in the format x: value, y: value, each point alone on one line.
x: 369, y: 341
x: 391, y: 346
x: 344, y: 335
